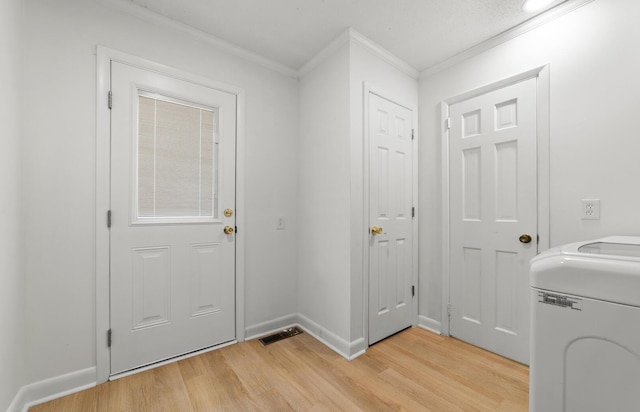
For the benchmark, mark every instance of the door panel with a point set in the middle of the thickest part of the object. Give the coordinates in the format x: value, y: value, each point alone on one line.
x: 205, y: 279
x: 390, y: 202
x: 493, y: 198
x: 151, y: 295
x: 172, y: 276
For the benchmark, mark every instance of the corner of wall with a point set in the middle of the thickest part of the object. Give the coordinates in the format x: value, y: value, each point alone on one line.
x: 270, y: 326
x: 382, y: 53
x: 430, y: 324
x: 325, y: 53
x: 346, y: 349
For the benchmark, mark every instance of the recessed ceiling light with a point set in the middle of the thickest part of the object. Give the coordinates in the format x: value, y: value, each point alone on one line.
x: 535, y: 5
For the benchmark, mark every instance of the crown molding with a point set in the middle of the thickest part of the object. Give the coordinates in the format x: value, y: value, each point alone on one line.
x: 328, y: 51
x: 150, y: 16
x: 535, y: 22
x: 383, y: 53
x: 351, y: 36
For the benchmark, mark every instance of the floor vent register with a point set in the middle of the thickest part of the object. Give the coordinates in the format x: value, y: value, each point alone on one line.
x: 284, y: 334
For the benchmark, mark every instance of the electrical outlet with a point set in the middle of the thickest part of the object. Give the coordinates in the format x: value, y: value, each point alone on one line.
x: 280, y: 225
x: 590, y: 209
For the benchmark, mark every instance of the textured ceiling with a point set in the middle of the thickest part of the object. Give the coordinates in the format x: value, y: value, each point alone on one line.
x: 423, y: 33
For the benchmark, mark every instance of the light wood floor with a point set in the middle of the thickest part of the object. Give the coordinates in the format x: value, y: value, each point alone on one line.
x: 414, y: 370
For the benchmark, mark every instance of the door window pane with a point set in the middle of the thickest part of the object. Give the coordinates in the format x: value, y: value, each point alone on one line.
x: 176, y: 160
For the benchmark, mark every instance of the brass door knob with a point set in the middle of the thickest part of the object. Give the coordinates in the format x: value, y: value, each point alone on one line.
x: 228, y: 230
x: 228, y: 212
x: 376, y: 230
x: 525, y: 238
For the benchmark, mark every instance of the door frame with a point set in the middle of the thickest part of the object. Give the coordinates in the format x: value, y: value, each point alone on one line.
x: 104, y: 56
x: 540, y: 73
x: 367, y: 89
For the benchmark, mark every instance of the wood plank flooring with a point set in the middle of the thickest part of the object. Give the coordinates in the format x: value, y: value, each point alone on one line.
x: 414, y: 370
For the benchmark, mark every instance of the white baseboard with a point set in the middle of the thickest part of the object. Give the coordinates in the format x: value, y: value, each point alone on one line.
x: 59, y: 386
x: 270, y: 326
x: 52, y: 388
x: 429, y: 324
x: 348, y: 350
x: 356, y: 348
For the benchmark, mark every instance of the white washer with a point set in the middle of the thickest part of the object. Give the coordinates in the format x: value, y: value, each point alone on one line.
x: 585, y: 337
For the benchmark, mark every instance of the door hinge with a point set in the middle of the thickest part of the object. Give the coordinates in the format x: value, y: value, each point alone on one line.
x: 449, y: 310
x: 412, y: 134
x: 110, y: 99
x: 109, y: 338
x: 413, y: 211
x: 447, y: 123
x: 108, y: 218
x: 413, y: 290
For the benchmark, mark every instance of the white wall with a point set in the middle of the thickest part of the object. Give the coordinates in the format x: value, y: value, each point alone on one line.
x: 331, y: 191
x: 11, y: 269
x: 59, y: 178
x: 594, y: 64
x: 323, y: 197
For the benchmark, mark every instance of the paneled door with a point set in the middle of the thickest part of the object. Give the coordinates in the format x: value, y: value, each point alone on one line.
x: 390, y: 218
x: 493, y: 202
x: 172, y: 274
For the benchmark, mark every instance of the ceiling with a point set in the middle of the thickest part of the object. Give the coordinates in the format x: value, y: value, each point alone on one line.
x: 423, y: 33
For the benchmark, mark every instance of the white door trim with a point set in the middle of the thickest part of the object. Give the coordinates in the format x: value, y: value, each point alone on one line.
x: 103, y: 164
x: 367, y: 89
x: 542, y: 128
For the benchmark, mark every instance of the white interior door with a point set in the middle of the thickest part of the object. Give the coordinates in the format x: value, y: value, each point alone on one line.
x: 493, y: 202
x: 390, y: 218
x: 172, y: 274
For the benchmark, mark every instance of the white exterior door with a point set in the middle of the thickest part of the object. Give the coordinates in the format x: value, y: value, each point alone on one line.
x: 390, y: 218
x: 493, y: 202
x: 172, y: 266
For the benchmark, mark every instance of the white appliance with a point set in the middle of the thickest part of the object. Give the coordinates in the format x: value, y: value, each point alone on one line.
x: 585, y: 337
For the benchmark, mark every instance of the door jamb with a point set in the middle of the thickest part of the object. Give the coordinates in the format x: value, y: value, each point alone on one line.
x: 104, y: 57
x: 543, y: 155
x: 368, y: 88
